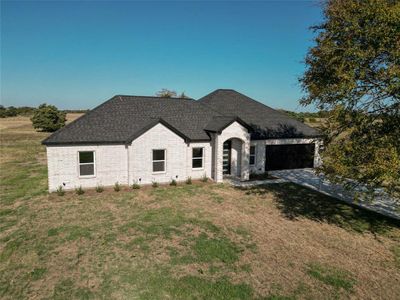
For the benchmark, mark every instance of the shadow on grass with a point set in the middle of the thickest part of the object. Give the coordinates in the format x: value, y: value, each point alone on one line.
x: 295, y: 202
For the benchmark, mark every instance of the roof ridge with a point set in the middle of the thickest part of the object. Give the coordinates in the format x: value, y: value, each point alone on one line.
x: 209, y: 107
x: 157, y: 97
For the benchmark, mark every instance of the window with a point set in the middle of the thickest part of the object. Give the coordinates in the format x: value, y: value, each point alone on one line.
x: 252, y: 155
x: 86, y: 163
x: 158, y: 160
x: 197, y: 158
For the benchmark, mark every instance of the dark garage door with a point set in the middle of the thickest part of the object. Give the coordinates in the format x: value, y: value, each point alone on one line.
x: 281, y: 157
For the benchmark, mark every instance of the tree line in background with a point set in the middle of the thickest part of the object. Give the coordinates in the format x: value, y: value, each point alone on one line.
x: 50, y: 112
x: 46, y: 118
x: 27, y: 111
x: 306, y: 116
x: 12, y: 111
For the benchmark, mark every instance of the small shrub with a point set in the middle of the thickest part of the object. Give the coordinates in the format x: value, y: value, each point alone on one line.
x: 60, y: 191
x: 189, y: 180
x: 117, y: 187
x: 99, y: 189
x: 204, y: 178
x: 173, y: 182
x: 154, y: 184
x: 135, y: 185
x: 79, y: 191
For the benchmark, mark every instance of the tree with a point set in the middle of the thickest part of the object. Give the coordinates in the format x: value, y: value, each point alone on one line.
x: 183, y: 95
x: 354, y: 72
x: 48, y: 118
x: 165, y: 93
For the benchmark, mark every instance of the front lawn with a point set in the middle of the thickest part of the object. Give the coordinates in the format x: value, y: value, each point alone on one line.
x: 198, y: 241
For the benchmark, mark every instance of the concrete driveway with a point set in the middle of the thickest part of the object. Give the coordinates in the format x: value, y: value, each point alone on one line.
x: 308, y: 178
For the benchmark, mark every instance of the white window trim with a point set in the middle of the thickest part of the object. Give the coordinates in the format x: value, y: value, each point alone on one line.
x: 164, y: 160
x: 202, y: 159
x: 93, y: 163
x: 255, y: 155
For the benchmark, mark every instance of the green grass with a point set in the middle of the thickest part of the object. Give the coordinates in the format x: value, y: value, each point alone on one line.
x: 337, y: 278
x: 208, y: 249
x: 70, y: 233
x: 38, y: 273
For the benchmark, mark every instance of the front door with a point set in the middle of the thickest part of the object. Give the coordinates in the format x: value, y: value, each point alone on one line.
x: 226, y: 161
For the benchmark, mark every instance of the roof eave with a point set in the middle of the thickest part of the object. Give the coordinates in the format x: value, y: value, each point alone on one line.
x: 72, y: 143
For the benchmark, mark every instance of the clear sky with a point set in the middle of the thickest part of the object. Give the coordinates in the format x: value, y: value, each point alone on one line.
x: 78, y: 54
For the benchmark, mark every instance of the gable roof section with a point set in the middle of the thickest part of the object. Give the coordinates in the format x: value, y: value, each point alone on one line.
x: 219, y: 123
x: 123, y: 118
x: 266, y: 123
x: 151, y: 125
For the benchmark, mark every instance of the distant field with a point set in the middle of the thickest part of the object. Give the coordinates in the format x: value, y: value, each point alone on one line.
x: 73, y: 116
x: 199, y: 241
x: 315, y: 122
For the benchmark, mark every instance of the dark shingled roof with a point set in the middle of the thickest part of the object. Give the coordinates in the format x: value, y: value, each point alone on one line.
x: 123, y: 118
x: 265, y: 121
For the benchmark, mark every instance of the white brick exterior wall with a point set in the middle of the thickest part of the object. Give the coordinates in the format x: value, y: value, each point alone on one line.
x: 141, y: 151
x: 207, y: 161
x: 128, y: 163
x: 179, y: 157
x: 111, y: 165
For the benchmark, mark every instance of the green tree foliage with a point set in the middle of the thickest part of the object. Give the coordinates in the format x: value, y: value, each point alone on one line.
x: 354, y: 70
x: 183, y: 95
x: 165, y: 93
x: 48, y: 118
x: 12, y: 111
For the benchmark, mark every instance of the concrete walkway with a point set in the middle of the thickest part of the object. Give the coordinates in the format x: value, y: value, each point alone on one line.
x: 245, y: 184
x: 382, y: 203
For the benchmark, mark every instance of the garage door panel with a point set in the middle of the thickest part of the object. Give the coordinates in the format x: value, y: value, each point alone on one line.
x: 281, y: 157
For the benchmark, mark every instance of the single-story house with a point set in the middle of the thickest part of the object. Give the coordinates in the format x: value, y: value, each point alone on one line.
x: 142, y: 139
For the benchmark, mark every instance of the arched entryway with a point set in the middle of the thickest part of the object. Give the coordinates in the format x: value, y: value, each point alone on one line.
x: 231, y: 152
x: 232, y: 157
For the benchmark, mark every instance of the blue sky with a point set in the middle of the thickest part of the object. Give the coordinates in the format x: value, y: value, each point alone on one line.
x: 78, y: 54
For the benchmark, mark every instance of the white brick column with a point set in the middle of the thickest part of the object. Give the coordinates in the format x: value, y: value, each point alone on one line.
x: 317, y: 156
x: 219, y: 145
x: 245, y: 161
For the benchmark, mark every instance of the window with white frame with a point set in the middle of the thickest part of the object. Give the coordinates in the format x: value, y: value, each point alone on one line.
x: 159, y: 160
x: 252, y: 155
x: 86, y: 163
x: 197, y: 158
